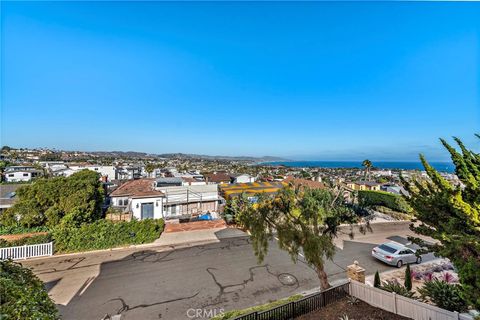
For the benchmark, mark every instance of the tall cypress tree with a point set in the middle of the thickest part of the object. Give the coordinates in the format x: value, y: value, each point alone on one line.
x: 376, y: 281
x: 450, y: 214
x: 408, y: 278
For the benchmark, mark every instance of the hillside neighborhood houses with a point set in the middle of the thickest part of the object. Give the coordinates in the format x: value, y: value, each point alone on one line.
x: 185, y: 201
x: 186, y: 188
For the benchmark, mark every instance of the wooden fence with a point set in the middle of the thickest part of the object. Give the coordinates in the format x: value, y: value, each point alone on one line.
x: 27, y: 251
x: 400, y: 305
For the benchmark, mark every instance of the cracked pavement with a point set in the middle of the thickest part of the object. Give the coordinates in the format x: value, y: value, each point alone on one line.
x: 159, y: 283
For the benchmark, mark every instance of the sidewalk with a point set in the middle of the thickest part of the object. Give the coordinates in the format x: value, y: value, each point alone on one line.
x: 195, y: 225
x: 197, y: 236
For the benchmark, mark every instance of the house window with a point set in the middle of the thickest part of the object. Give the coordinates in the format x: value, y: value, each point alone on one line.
x: 25, y: 174
x: 11, y: 175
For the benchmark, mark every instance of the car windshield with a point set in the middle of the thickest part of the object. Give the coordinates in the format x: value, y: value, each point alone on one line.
x: 384, y: 247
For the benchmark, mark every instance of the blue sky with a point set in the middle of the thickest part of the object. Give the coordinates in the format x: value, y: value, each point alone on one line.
x: 324, y: 81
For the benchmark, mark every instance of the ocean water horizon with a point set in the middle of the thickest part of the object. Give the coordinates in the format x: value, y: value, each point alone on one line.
x: 405, y: 165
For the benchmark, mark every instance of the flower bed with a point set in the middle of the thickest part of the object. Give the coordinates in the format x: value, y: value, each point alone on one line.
x: 437, y: 270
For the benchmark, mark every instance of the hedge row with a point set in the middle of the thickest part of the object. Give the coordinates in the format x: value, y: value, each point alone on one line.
x: 19, y: 229
x: 43, y: 238
x: 105, y: 234
x: 381, y: 198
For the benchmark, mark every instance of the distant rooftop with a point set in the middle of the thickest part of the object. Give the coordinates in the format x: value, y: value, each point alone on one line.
x: 250, y: 188
x: 137, y: 188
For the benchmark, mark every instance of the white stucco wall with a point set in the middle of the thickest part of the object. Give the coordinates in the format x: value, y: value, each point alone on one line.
x: 136, y: 207
x: 244, y: 178
x: 17, y: 176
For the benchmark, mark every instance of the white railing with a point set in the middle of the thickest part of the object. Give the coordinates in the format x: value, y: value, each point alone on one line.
x: 400, y: 305
x: 27, y: 251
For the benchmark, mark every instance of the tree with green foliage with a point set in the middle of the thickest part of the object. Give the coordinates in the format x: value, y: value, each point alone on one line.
x: 376, y: 281
x: 3, y: 165
x: 408, y: 278
x: 305, y: 174
x: 23, y: 295
x: 76, y: 199
x: 367, y: 164
x: 55, y: 156
x: 149, y: 167
x: 304, y: 221
x: 235, y: 206
x: 450, y: 214
x: 382, y: 180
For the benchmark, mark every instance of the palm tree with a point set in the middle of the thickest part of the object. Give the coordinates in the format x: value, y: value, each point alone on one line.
x: 367, y: 164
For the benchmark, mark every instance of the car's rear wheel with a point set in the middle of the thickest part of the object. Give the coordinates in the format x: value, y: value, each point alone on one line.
x: 399, y: 263
x: 419, y: 260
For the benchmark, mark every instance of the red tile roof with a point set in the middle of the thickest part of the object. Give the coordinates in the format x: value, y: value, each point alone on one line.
x: 217, y: 177
x: 304, y: 183
x: 137, y: 188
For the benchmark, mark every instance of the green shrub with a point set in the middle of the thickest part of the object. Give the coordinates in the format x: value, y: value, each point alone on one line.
x: 23, y: 295
x: 236, y: 313
x: 376, y: 281
x: 445, y: 295
x: 381, y: 198
x: 105, y: 234
x: 394, y: 286
x: 408, y: 278
x: 42, y: 238
x: 17, y: 229
x: 46, y: 202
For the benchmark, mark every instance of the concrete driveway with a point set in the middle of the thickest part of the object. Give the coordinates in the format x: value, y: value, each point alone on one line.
x: 156, y: 283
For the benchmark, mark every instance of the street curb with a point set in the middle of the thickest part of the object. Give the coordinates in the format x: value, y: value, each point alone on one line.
x: 159, y: 248
x: 174, y: 246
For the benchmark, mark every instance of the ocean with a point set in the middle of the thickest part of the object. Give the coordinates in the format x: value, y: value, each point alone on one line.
x: 440, y: 166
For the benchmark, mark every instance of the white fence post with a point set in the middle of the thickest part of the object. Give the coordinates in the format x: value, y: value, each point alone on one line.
x: 394, y: 295
x: 27, y: 251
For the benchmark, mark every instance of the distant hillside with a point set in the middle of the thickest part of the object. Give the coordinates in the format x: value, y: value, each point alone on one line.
x: 134, y: 154
x: 231, y: 158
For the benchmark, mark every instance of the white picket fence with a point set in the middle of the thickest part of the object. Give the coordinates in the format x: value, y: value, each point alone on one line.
x: 27, y: 251
x: 400, y: 305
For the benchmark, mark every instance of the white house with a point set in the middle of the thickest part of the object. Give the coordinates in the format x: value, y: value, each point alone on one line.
x: 242, y: 178
x: 21, y: 173
x: 109, y: 172
x: 128, y: 173
x: 139, y: 198
x: 391, y: 188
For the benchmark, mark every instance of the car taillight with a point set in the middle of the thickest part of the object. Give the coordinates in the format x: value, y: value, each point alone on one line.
x: 388, y: 257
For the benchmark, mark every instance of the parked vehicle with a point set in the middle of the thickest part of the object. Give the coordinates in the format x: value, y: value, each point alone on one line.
x: 395, y: 254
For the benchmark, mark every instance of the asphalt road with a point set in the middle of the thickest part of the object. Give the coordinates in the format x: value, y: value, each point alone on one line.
x: 174, y: 284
